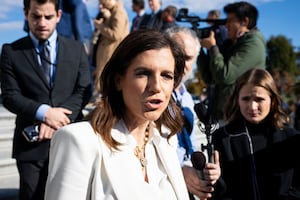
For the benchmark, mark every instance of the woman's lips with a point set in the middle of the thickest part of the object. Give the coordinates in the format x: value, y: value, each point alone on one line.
x: 154, y: 104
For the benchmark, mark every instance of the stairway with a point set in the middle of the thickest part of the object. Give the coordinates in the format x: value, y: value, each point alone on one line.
x: 9, y: 178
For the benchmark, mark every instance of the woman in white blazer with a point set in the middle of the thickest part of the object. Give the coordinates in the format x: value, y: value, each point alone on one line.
x: 127, y: 149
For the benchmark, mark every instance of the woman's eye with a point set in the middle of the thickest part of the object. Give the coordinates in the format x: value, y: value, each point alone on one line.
x: 142, y: 72
x: 259, y: 99
x: 168, y: 76
x: 245, y: 98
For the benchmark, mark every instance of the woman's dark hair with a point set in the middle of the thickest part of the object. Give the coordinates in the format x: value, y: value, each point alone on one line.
x: 111, y: 107
x: 260, y: 78
x: 242, y: 10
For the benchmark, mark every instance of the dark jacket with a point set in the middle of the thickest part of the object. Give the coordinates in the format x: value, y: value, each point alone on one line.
x: 24, y: 88
x: 75, y: 21
x: 152, y: 21
x: 258, y: 162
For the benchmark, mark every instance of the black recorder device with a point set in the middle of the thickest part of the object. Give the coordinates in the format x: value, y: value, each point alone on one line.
x: 31, y: 133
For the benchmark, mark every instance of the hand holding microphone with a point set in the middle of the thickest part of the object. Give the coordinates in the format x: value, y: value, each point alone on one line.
x: 198, y: 160
x: 208, y: 173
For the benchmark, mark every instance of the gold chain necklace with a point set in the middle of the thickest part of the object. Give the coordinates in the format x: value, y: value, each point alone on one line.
x: 139, y: 152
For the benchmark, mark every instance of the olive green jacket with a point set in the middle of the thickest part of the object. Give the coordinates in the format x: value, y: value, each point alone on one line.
x: 222, y: 69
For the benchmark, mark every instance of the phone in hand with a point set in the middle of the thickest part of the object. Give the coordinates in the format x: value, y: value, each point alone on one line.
x: 31, y: 133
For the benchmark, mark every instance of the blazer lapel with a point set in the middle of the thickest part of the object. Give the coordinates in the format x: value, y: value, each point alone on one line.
x: 31, y: 56
x: 170, y: 160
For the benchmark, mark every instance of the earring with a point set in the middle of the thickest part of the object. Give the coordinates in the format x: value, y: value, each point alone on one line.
x: 171, y: 111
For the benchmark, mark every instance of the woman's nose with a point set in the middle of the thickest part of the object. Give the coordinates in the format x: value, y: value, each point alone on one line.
x: 253, y: 105
x: 155, y: 84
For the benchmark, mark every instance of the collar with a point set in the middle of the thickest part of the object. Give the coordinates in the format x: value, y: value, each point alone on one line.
x: 52, y: 39
x: 141, y: 13
x: 121, y: 134
x: 154, y: 12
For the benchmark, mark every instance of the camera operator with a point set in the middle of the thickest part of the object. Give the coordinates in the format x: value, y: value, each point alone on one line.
x: 244, y: 49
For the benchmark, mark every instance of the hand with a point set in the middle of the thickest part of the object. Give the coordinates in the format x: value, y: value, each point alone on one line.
x: 106, y: 13
x: 98, y: 23
x: 195, y: 185
x: 57, y: 117
x: 45, y: 132
x: 212, y: 171
x: 209, y: 41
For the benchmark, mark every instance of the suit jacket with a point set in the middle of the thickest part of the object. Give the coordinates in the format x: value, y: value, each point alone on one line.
x: 156, y: 23
x: 75, y: 21
x: 24, y: 88
x: 135, y: 25
x: 81, y: 166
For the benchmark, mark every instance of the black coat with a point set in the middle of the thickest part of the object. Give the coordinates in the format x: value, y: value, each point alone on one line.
x: 258, y: 162
x: 156, y: 24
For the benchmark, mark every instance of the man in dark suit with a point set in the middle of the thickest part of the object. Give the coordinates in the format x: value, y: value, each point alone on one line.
x: 138, y: 6
x: 153, y: 20
x: 49, y: 100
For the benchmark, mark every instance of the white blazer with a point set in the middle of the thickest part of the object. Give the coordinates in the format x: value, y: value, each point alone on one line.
x: 82, y: 167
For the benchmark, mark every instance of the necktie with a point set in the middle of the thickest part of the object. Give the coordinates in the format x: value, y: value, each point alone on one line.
x: 151, y: 20
x: 136, y: 22
x: 45, y: 59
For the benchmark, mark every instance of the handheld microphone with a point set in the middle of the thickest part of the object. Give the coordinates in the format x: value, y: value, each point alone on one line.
x: 198, y: 160
x: 210, y: 125
x: 202, y: 112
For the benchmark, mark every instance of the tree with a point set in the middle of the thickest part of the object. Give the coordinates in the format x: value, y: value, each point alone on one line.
x: 281, y: 54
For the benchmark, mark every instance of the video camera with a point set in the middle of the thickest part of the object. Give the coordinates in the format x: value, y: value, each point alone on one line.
x: 183, y: 16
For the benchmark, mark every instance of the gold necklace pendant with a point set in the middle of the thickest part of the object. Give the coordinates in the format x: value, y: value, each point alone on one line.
x: 143, y: 162
x: 139, y: 152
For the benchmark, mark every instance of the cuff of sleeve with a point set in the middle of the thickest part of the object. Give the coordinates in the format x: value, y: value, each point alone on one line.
x: 41, y: 112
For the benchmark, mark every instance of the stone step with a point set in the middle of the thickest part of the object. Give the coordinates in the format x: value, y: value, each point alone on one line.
x: 7, y: 164
x: 7, y: 130
x: 9, y: 177
x: 8, y: 167
x: 5, y: 114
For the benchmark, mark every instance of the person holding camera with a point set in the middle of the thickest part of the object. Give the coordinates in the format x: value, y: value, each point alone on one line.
x: 44, y: 84
x: 244, y: 49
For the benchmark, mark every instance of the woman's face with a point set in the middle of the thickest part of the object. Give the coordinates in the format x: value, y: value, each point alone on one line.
x: 254, y: 103
x: 147, y: 84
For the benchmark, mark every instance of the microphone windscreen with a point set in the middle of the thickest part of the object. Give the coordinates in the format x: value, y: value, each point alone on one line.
x: 201, y: 112
x: 198, y: 160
